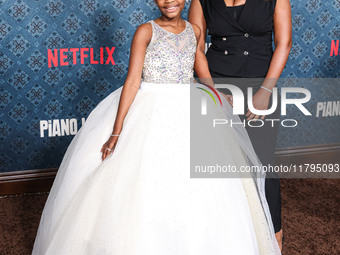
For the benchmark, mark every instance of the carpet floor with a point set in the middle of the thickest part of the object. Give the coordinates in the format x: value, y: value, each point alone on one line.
x: 311, y: 216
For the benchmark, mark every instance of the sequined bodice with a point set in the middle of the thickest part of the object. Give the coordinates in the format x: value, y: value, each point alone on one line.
x: 170, y: 57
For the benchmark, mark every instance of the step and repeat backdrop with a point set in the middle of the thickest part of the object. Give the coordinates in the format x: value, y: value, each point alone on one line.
x: 59, y: 59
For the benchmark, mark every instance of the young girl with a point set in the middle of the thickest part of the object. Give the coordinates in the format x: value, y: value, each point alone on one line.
x: 127, y: 190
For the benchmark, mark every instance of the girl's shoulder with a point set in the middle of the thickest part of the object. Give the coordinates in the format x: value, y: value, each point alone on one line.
x: 144, y: 31
x: 145, y: 28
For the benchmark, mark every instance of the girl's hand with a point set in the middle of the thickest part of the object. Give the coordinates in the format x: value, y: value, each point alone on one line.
x: 109, y: 146
x: 229, y: 98
x: 260, y: 102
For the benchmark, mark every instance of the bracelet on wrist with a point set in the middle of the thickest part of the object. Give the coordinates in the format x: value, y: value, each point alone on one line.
x: 114, y: 135
x: 267, y: 89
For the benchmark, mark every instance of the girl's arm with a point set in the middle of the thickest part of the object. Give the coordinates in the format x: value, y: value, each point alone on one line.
x: 139, y: 44
x: 283, y: 44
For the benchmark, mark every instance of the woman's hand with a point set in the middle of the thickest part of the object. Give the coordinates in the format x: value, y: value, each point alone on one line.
x: 260, y: 102
x: 109, y: 146
x: 229, y: 98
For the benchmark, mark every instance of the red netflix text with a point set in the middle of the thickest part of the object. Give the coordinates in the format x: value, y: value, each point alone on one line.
x: 58, y: 56
x: 334, y: 48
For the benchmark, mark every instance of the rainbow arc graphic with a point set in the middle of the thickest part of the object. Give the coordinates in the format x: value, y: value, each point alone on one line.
x: 204, y: 101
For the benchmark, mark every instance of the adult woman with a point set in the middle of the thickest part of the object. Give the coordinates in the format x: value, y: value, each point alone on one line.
x: 241, y: 35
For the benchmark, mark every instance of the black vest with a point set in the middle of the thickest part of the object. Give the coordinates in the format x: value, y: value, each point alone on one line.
x: 240, y: 48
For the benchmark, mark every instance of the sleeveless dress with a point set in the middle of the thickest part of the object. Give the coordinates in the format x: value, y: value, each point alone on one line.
x: 141, y: 200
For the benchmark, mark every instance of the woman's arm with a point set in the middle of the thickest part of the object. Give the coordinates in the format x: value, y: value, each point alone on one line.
x: 201, y: 64
x: 282, y: 38
x: 139, y: 44
x: 283, y: 44
x: 196, y: 17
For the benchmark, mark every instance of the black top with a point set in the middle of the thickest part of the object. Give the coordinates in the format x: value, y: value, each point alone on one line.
x: 236, y: 11
x: 240, y: 47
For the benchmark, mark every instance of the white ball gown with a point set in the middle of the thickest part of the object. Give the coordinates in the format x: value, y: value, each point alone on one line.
x: 141, y: 200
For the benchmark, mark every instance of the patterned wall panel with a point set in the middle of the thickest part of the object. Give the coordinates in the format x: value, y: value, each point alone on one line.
x: 315, y: 24
x: 30, y: 91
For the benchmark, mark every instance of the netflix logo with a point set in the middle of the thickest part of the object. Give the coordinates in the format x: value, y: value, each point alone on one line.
x: 57, y: 56
x: 334, y: 48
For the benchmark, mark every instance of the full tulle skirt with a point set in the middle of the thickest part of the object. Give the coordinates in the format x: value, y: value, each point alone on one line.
x: 141, y: 200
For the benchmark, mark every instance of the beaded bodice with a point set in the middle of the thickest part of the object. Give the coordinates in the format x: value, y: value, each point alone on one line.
x: 170, y: 57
